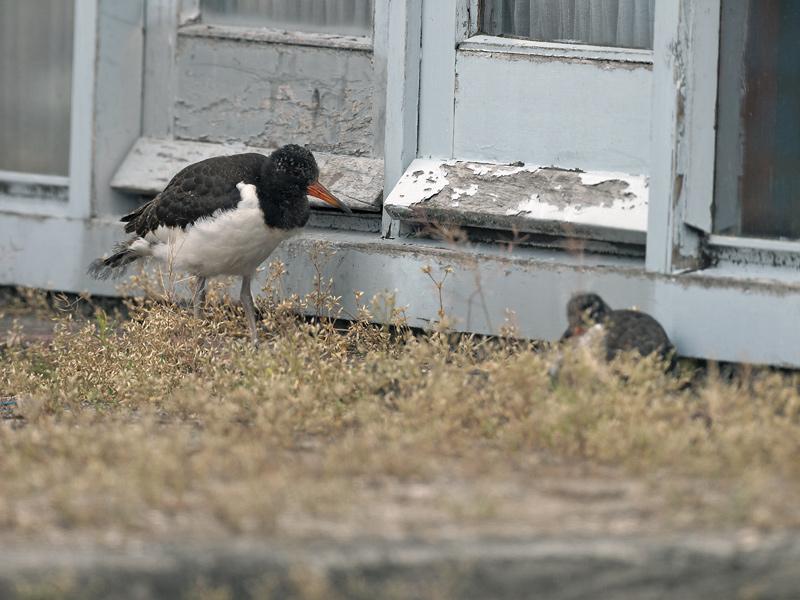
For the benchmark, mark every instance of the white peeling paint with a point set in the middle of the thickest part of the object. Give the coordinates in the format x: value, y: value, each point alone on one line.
x: 514, y: 170
x: 637, y: 184
x: 480, y: 168
x: 471, y: 190
x: 629, y: 214
x: 422, y: 180
x: 426, y: 178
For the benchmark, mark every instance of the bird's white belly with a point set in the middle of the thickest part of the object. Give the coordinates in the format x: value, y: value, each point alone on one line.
x: 232, y: 242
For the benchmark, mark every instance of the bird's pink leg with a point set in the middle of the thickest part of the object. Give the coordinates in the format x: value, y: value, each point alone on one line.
x: 246, y: 298
x: 199, y: 297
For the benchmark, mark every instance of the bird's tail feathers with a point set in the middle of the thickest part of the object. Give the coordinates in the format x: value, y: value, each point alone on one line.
x: 139, y: 217
x: 115, y: 265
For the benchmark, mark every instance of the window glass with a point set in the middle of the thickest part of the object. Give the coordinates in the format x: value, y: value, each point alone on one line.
x: 35, y: 85
x: 758, y: 143
x: 620, y: 23
x: 349, y: 17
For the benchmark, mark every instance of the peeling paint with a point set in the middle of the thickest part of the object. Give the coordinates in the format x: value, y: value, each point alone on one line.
x: 320, y: 96
x: 426, y: 180
x: 468, y: 191
x: 525, y: 198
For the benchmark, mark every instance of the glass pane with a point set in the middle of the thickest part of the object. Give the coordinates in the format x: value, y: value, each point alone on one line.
x: 347, y: 17
x: 35, y: 85
x: 758, y: 142
x: 619, y: 23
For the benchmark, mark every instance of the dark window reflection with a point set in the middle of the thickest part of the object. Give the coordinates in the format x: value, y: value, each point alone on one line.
x: 35, y: 85
x: 759, y: 126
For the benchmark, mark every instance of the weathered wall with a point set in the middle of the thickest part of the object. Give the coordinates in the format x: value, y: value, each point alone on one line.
x: 268, y: 94
x: 594, y: 115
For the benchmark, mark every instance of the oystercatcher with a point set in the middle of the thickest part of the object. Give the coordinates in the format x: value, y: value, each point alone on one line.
x: 223, y: 216
x: 622, y: 330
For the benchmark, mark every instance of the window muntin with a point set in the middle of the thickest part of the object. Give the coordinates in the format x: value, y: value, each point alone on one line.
x: 617, y: 23
x: 35, y: 85
x: 346, y: 17
x: 758, y: 144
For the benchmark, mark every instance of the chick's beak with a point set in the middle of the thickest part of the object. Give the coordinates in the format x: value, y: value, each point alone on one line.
x: 317, y: 190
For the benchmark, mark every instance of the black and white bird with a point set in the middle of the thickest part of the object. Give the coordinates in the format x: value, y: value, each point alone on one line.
x: 622, y: 330
x: 223, y: 216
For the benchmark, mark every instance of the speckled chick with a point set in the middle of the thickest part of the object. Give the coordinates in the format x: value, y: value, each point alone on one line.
x: 623, y: 330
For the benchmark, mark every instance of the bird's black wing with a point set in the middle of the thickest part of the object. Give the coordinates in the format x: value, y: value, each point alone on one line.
x: 633, y: 330
x: 197, y: 191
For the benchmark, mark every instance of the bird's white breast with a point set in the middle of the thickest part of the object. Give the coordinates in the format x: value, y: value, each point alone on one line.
x: 229, y: 242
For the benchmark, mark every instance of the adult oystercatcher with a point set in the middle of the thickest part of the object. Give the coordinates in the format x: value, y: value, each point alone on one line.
x: 223, y: 216
x: 622, y: 330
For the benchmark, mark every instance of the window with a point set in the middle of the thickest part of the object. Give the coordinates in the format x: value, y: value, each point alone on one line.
x: 758, y: 145
x: 350, y: 17
x: 35, y: 85
x: 619, y: 23
x: 554, y: 115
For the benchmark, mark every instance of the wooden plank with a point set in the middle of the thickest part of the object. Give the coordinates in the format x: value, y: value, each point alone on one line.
x: 161, y: 37
x: 402, y: 87
x: 81, y: 147
x: 152, y: 162
x: 380, y: 65
x: 270, y: 94
x: 567, y: 112
x: 683, y: 134
x: 597, y: 205
x: 118, y: 96
x: 280, y: 36
x: 437, y: 79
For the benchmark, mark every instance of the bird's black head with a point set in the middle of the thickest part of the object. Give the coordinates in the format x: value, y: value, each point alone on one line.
x: 585, y: 310
x: 292, y: 170
x: 293, y: 164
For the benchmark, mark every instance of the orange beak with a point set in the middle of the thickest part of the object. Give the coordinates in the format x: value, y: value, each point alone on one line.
x: 318, y: 190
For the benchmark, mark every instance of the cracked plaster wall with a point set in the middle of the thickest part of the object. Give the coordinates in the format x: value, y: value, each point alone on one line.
x: 273, y: 94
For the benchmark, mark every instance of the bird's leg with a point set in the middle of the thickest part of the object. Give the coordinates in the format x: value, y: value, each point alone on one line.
x: 246, y: 298
x: 199, y: 296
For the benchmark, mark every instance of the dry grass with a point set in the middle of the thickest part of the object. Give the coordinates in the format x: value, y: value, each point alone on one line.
x: 163, y: 424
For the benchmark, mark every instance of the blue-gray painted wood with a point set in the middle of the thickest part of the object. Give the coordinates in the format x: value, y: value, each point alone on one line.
x: 270, y: 94
x: 161, y: 38
x: 380, y: 62
x: 437, y: 79
x: 118, y: 97
x: 684, y: 129
x: 553, y: 111
x: 81, y: 147
x: 402, y: 87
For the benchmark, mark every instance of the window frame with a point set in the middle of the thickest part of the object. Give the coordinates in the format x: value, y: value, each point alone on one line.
x: 65, y: 195
x: 422, y: 91
x: 684, y: 185
x: 193, y: 15
x: 451, y: 29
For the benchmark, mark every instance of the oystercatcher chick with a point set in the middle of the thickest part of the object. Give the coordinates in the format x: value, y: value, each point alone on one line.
x: 223, y: 216
x: 622, y: 330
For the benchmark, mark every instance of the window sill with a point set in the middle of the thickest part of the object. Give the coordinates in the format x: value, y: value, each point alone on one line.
x: 744, y: 253
x: 152, y: 162
x: 33, y: 194
x: 265, y: 35
x: 601, y: 206
x: 493, y: 44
